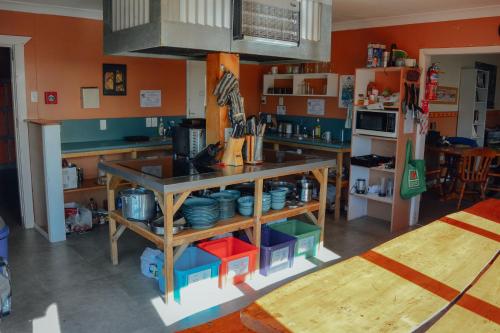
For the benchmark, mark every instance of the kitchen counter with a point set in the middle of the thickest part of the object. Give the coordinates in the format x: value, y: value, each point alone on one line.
x: 337, y: 145
x: 92, y: 148
x: 159, y: 173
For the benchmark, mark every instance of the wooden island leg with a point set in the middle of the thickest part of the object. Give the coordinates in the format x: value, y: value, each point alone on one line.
x: 323, y: 189
x: 168, y: 249
x: 111, y: 186
x: 338, y: 184
x: 257, y: 214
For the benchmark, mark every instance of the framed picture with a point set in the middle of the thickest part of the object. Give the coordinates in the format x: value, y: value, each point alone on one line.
x: 114, y: 80
x: 446, y: 95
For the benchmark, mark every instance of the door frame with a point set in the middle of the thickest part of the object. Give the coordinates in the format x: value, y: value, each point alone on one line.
x: 17, y: 44
x: 425, y: 61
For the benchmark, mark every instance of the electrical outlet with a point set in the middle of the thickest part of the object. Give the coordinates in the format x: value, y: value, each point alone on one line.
x: 102, y: 124
x: 148, y: 122
x: 263, y: 99
x: 34, y: 96
x: 154, y: 122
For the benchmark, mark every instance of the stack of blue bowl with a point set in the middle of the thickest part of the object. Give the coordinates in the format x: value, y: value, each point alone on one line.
x: 278, y: 198
x: 201, y: 213
x: 245, y: 205
x: 227, y: 204
x: 266, y: 202
x: 235, y: 193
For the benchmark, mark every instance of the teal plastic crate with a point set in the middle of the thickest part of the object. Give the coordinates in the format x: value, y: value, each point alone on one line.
x: 307, y: 236
x: 193, y: 266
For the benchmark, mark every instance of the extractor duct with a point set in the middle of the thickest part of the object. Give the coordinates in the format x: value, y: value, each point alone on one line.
x: 259, y: 30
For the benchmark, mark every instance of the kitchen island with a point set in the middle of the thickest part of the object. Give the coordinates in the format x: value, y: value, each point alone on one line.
x: 337, y: 147
x: 172, y: 188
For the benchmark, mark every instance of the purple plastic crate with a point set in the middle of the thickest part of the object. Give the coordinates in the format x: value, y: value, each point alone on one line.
x: 276, y: 251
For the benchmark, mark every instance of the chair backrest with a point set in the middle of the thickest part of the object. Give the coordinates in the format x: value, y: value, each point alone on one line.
x: 475, y: 164
x: 458, y: 140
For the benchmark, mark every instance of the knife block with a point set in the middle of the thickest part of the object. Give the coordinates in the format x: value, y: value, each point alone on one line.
x: 232, y: 153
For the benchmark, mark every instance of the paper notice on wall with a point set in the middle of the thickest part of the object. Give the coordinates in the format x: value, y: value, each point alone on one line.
x: 316, y: 107
x: 281, y: 109
x: 150, y: 98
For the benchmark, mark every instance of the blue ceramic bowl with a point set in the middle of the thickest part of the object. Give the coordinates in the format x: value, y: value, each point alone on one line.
x: 278, y: 205
x: 246, y: 211
x: 235, y: 193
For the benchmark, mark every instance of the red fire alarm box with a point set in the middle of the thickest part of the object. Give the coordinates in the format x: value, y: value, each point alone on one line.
x: 50, y: 97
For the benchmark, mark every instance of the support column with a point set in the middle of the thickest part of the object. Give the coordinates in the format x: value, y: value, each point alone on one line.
x: 218, y: 117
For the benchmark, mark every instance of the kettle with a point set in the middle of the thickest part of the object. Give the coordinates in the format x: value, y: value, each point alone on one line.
x: 360, y: 186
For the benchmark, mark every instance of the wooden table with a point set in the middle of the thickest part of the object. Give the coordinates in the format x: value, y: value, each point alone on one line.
x: 339, y: 156
x: 397, y: 286
x: 171, y: 192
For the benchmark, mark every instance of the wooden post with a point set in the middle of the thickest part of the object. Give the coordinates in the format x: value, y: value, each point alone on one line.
x: 257, y: 213
x: 322, y: 204
x: 218, y: 117
x: 112, y: 223
x: 168, y: 249
x: 338, y: 184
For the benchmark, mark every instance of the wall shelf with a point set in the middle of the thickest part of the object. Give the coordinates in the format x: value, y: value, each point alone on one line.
x: 374, y: 197
x: 296, y: 82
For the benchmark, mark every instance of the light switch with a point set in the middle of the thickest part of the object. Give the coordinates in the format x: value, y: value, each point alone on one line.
x: 102, y: 124
x: 154, y: 122
x: 148, y: 122
x: 281, y: 101
x: 34, y: 96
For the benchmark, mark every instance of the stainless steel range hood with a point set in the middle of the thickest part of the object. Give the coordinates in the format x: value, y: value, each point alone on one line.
x: 259, y: 30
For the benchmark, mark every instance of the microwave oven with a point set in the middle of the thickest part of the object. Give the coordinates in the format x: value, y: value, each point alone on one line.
x: 376, y: 122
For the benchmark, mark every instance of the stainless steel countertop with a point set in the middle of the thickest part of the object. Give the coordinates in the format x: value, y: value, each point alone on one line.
x: 279, y: 164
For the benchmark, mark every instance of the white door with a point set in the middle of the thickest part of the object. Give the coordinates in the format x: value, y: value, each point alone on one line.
x: 196, y: 88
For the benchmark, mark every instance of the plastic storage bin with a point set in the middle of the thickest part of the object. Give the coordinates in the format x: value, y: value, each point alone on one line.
x: 149, y: 262
x: 277, y: 250
x: 307, y: 236
x: 193, y: 266
x: 4, y: 236
x: 238, y: 258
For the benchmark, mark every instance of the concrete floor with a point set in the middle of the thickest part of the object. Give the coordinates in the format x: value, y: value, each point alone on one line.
x: 75, y: 282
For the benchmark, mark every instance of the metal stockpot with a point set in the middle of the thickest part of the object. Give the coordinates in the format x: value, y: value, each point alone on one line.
x: 305, y: 190
x: 138, y: 204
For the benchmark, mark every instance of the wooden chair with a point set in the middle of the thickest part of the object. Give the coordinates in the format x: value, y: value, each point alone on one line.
x: 473, y: 170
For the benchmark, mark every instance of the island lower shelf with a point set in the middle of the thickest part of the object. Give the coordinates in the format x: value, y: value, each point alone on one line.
x: 235, y: 223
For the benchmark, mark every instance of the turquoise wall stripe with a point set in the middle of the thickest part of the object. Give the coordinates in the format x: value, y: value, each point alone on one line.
x: 84, y: 130
x: 333, y: 125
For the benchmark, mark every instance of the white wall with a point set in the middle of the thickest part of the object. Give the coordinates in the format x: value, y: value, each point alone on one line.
x: 451, y: 66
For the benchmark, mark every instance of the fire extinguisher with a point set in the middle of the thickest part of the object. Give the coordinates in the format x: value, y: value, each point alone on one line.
x: 432, y: 82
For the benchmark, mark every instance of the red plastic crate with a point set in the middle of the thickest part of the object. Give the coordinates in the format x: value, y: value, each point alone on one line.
x: 237, y: 258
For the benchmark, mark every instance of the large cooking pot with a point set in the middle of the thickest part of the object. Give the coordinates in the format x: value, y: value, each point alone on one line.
x: 138, y: 204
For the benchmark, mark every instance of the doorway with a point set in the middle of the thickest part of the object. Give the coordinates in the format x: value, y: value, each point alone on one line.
x: 466, y: 109
x: 9, y: 195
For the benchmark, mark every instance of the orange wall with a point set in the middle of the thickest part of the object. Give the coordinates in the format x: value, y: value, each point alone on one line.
x: 66, y: 53
x: 349, y: 49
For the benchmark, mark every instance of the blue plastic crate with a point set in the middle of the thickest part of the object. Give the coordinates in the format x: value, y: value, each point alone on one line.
x: 276, y: 251
x: 193, y: 266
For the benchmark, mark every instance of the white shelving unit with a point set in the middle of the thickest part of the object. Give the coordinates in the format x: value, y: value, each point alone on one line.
x: 472, y: 105
x: 394, y: 210
x: 297, y: 82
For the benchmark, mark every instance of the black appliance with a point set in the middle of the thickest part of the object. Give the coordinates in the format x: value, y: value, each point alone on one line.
x: 370, y: 161
x: 376, y: 122
x: 189, y: 137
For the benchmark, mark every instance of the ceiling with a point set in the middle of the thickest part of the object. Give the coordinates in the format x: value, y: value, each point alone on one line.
x: 347, y: 14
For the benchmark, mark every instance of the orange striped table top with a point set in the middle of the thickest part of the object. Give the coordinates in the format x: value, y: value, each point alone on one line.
x: 398, y: 285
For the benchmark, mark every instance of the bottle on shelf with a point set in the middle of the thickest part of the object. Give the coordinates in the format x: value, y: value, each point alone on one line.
x: 317, y: 129
x: 161, y: 127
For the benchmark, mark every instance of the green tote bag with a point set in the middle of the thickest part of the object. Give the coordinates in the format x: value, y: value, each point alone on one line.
x: 413, y: 182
